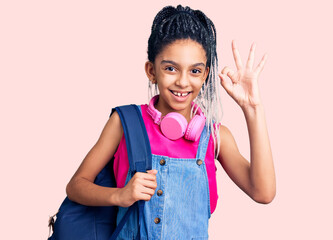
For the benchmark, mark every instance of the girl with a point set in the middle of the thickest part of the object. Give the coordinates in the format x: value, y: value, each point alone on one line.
x: 180, y: 191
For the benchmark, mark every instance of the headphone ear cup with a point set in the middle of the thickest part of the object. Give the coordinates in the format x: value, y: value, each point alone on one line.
x: 195, y: 128
x: 173, y: 125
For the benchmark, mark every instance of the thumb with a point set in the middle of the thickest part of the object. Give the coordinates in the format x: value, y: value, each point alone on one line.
x: 153, y: 171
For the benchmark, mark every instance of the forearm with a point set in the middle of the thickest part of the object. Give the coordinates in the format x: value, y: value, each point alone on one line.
x: 262, y: 174
x: 83, y: 191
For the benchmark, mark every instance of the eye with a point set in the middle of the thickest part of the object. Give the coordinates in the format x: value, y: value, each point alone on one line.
x: 171, y: 69
x: 196, y: 71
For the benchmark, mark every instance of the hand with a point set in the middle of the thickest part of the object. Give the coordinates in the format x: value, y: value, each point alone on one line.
x: 243, y: 87
x: 141, y: 187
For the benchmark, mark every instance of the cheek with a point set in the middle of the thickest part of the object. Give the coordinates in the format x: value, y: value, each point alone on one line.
x: 197, y: 83
x: 166, y: 79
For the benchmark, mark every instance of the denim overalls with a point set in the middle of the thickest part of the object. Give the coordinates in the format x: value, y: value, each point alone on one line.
x: 180, y: 207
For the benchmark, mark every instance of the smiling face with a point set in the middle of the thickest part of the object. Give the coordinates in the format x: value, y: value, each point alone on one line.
x: 179, y: 71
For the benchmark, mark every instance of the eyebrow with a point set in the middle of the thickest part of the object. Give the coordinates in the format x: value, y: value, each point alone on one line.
x: 176, y: 64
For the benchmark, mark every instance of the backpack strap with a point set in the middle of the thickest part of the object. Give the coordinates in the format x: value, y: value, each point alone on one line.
x: 137, y: 142
x: 139, y: 153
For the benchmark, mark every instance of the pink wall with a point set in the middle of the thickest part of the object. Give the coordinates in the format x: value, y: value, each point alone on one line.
x: 65, y: 64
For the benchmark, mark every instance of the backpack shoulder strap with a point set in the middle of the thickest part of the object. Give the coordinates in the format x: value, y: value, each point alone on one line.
x: 139, y: 154
x: 137, y: 142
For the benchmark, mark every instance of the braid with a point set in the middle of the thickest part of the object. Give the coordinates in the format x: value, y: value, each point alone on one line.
x: 172, y: 24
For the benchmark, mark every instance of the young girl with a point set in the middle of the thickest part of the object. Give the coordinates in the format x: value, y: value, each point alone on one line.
x: 180, y: 191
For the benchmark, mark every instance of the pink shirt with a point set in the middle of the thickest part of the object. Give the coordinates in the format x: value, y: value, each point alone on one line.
x: 160, y: 145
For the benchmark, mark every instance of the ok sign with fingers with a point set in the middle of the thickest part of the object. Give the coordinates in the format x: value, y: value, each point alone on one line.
x: 257, y: 176
x: 243, y: 87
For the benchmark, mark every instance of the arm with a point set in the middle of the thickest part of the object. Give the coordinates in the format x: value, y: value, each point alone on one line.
x: 81, y: 187
x: 257, y: 178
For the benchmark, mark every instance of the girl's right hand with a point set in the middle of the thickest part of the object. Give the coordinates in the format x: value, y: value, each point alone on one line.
x: 141, y: 187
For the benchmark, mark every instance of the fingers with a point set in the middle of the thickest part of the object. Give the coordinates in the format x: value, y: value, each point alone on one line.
x: 249, y: 63
x: 153, y: 171
x: 236, y: 54
x: 226, y: 84
x: 149, y: 184
x: 149, y: 175
x: 142, y: 193
x: 261, y: 65
x: 144, y: 184
x: 140, y: 187
x: 230, y: 73
x: 250, y: 60
x: 146, y: 190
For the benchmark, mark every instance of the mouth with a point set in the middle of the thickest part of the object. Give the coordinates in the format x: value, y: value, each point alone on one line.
x: 180, y: 94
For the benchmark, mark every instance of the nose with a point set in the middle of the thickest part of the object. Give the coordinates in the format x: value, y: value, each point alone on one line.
x: 183, y: 80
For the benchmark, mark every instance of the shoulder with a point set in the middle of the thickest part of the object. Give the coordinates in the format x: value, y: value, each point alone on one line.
x: 114, y: 119
x: 113, y: 126
x: 224, y: 131
x: 112, y: 131
x: 225, y: 135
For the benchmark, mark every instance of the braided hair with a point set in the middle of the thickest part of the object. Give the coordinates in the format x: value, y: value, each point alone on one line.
x: 171, y: 24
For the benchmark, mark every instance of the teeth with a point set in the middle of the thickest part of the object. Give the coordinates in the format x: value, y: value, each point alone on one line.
x: 180, y: 94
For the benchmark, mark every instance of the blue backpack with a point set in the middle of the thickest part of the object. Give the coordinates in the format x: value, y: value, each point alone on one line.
x: 78, y: 222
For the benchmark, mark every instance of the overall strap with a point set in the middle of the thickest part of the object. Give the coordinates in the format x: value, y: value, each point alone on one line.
x: 203, y: 144
x: 139, y: 154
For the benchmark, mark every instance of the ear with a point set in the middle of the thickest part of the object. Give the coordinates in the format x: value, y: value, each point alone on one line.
x: 150, y: 71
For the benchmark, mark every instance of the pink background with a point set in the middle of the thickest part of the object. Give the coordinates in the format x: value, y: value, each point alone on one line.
x: 65, y: 64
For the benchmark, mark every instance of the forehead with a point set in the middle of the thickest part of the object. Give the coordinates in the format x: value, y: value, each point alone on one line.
x: 184, y: 51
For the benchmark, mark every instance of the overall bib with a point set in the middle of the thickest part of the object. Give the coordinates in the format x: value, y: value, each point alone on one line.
x: 180, y: 207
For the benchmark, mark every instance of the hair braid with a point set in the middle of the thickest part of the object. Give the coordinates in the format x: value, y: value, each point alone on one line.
x: 171, y: 24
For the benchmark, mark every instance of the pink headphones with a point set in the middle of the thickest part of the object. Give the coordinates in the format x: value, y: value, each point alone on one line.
x: 174, y: 125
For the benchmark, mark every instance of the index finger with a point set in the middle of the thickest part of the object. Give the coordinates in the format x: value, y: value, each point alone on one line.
x: 152, y: 171
x: 146, y: 176
x: 149, y: 176
x: 237, y: 57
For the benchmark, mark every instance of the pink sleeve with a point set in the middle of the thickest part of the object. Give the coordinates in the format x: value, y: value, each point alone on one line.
x: 120, y: 164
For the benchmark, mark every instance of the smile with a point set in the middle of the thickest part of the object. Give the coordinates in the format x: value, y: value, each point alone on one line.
x: 178, y: 94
